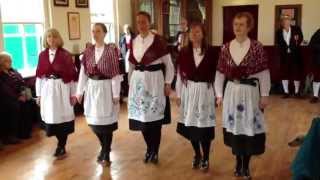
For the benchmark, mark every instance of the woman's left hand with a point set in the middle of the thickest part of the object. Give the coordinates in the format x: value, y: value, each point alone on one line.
x: 263, y: 102
x: 167, y: 89
x: 73, y: 100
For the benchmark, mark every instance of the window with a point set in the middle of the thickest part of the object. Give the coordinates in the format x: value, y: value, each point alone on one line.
x: 102, y: 11
x: 22, y: 33
x: 174, y: 17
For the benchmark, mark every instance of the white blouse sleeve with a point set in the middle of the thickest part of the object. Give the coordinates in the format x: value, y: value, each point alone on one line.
x: 169, y: 73
x: 116, y: 85
x: 218, y: 84
x: 39, y: 82
x: 73, y: 88
x: 264, y: 81
x: 82, y: 82
x: 178, y: 85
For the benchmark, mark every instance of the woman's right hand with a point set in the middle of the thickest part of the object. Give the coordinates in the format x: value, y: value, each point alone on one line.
x: 178, y: 101
x: 38, y: 100
x: 219, y: 101
x: 79, y: 98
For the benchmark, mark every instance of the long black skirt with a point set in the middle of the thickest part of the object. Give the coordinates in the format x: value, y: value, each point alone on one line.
x: 136, y: 125
x: 245, y: 145
x: 58, y: 129
x: 193, y: 133
x: 104, y: 129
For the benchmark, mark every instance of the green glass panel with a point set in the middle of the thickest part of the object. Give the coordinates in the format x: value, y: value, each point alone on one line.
x: 29, y: 28
x: 32, y: 51
x: 13, y: 45
x: 10, y: 28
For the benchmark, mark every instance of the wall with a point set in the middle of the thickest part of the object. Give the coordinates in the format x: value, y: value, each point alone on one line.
x: 310, y: 17
x: 57, y: 18
x: 124, y: 13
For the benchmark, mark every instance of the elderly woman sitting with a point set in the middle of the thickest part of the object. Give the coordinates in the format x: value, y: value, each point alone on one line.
x: 16, y: 105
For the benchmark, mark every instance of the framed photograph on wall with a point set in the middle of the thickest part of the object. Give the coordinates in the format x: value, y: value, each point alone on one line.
x: 82, y: 3
x: 294, y: 11
x: 74, y: 25
x: 61, y: 2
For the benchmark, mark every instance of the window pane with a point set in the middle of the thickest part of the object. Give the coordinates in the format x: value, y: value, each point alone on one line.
x: 29, y: 28
x: 32, y: 51
x: 13, y: 45
x: 10, y: 28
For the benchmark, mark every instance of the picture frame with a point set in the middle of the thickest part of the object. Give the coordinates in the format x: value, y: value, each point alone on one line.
x: 82, y: 3
x: 64, y: 3
x: 74, y: 25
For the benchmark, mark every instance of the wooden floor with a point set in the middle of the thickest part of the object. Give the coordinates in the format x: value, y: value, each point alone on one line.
x: 32, y: 160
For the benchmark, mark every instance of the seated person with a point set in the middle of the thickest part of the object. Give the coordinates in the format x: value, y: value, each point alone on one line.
x: 16, y: 102
x: 306, y: 165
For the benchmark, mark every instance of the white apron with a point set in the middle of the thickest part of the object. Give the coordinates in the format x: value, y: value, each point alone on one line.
x: 146, y: 101
x: 197, y: 105
x: 98, y: 103
x: 241, y: 112
x: 55, y: 105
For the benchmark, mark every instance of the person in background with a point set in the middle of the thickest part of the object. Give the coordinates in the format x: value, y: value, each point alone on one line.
x: 56, y: 89
x: 244, y: 65
x: 182, y: 36
x: 315, y: 48
x: 100, y: 81
x: 288, y: 41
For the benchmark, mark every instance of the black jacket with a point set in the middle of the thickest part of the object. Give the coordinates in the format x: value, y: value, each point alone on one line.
x: 294, y: 46
x: 315, y: 47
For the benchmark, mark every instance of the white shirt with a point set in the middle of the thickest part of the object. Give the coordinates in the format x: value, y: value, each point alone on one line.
x: 287, y: 35
x: 128, y: 38
x: 98, y: 51
x: 197, y: 56
x: 52, y: 54
x: 141, y: 45
x: 239, y: 50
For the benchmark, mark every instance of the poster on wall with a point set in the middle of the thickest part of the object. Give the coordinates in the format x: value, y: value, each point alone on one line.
x: 61, y: 2
x: 82, y: 3
x: 74, y: 25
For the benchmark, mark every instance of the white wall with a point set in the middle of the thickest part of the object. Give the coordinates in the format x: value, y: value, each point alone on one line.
x: 124, y: 13
x: 58, y: 19
x: 310, y: 17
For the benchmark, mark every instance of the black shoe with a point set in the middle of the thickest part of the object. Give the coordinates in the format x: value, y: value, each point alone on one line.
x: 154, y: 158
x: 286, y: 96
x: 1, y: 145
x: 196, y: 162
x: 60, y: 153
x: 147, y: 157
x: 314, y: 100
x: 297, y: 95
x: 246, y: 174
x: 204, y: 165
x: 238, y: 172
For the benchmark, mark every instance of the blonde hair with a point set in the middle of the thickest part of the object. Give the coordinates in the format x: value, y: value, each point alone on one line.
x: 55, y: 33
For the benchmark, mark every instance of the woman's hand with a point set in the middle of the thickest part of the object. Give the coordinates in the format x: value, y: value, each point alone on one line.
x: 263, y: 102
x: 73, y: 100
x: 178, y: 101
x: 79, y: 98
x: 167, y: 89
x: 116, y: 101
x: 219, y: 101
x: 38, y: 100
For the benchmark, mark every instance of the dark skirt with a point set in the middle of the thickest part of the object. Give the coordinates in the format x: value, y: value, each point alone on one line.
x: 291, y: 68
x: 58, y: 129
x: 104, y: 129
x: 193, y: 133
x: 136, y: 125
x: 245, y: 145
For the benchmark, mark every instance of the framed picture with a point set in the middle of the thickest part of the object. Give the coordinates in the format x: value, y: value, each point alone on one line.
x: 74, y: 25
x: 294, y: 11
x: 61, y: 2
x: 82, y: 3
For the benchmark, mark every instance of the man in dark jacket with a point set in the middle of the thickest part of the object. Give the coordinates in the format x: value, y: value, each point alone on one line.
x: 288, y: 41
